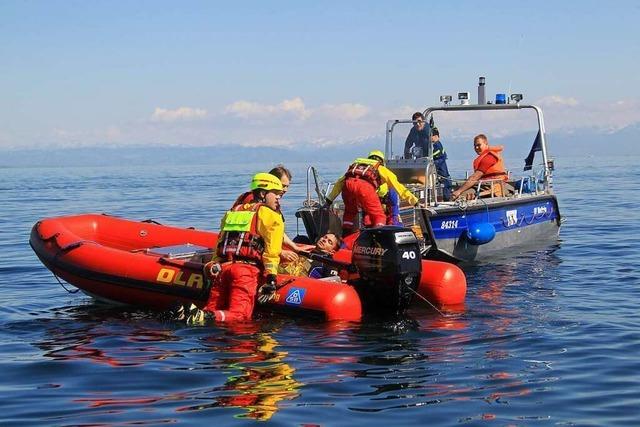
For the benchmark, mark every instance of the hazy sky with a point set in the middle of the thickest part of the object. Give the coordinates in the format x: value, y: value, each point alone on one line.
x: 76, y: 73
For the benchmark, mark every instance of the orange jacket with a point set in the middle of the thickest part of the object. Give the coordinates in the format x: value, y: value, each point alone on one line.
x: 497, y: 171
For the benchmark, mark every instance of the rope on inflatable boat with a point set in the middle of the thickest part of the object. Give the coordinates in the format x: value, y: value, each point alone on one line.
x: 285, y: 283
x: 55, y: 258
x: 63, y: 286
x: 427, y: 301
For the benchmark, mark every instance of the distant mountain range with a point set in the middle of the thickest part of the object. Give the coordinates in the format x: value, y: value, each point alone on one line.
x: 578, y: 143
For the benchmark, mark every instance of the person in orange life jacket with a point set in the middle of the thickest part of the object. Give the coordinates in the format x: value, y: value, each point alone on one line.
x: 247, y: 255
x: 440, y: 162
x: 358, y: 187
x: 284, y: 175
x: 390, y: 204
x: 415, y: 146
x: 487, y: 166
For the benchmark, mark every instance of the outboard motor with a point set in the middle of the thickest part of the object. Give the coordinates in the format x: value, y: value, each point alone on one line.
x: 389, y: 263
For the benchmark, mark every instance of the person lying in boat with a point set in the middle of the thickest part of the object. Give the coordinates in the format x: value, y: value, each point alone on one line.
x: 247, y: 256
x: 487, y: 166
x: 304, y: 266
x: 285, y: 176
x: 358, y: 187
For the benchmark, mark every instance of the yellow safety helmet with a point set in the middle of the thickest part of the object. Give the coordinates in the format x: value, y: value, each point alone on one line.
x: 265, y: 181
x: 377, y: 153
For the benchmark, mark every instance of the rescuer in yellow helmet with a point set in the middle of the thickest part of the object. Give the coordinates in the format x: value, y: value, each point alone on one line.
x: 285, y: 177
x: 247, y: 255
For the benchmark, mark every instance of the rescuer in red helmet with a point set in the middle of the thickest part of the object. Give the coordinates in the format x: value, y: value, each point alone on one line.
x: 359, y: 185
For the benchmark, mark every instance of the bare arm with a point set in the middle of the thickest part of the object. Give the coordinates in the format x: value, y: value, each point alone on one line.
x: 471, y: 181
x: 287, y: 241
x: 286, y: 254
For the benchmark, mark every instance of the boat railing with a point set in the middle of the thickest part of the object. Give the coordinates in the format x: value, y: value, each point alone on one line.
x: 313, y: 183
x: 524, y: 185
x: 423, y: 170
x: 307, y: 201
x: 492, y: 188
x: 546, y: 161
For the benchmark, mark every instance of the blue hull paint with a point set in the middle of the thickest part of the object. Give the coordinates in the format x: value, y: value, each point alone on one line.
x: 517, y: 222
x: 504, y: 218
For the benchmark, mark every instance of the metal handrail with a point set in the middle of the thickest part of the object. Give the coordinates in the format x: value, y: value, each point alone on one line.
x: 391, y: 124
x: 309, y: 169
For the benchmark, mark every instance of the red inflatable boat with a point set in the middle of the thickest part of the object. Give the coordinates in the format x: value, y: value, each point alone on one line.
x: 147, y: 264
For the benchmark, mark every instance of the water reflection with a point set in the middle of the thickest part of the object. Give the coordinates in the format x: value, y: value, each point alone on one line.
x: 79, y: 338
x: 260, y: 376
x: 245, y: 362
x: 402, y: 365
x: 501, y: 320
x: 253, y: 371
x: 425, y: 364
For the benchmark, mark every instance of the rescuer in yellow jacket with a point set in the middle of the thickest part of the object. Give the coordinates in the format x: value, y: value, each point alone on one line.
x: 358, y: 187
x: 247, y: 255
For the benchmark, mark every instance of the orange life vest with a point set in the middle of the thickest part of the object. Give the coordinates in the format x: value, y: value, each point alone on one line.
x: 243, y: 199
x: 497, y: 171
x: 239, y: 238
x: 366, y: 169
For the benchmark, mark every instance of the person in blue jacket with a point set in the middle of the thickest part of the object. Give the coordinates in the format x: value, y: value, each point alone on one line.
x: 390, y: 201
x: 391, y: 204
x: 415, y: 146
x: 440, y: 160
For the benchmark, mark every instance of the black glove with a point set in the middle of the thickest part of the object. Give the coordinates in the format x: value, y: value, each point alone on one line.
x: 327, y: 204
x: 176, y: 312
x: 267, y: 292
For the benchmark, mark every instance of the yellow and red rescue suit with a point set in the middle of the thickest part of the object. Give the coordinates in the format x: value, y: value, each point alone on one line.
x: 359, y: 185
x: 249, y: 247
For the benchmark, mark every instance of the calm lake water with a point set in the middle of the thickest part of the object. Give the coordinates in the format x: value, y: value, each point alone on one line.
x: 548, y: 337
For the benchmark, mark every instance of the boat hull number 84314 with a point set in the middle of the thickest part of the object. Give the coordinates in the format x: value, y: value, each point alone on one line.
x: 446, y: 225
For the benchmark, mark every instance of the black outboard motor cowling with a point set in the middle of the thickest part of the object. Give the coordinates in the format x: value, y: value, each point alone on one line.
x: 389, y: 263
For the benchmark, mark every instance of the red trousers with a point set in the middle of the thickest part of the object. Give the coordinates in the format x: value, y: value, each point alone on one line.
x: 389, y: 218
x: 233, y: 293
x: 359, y: 193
